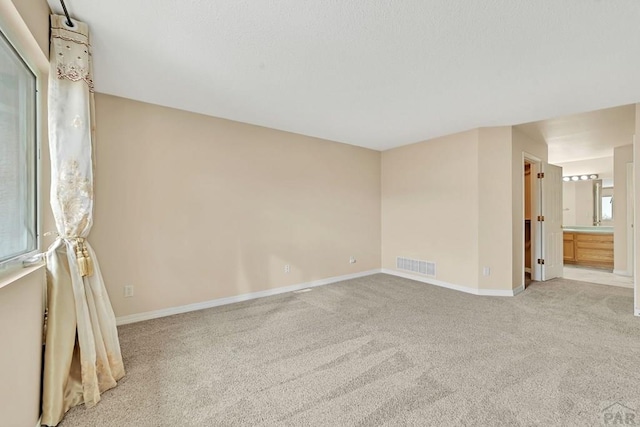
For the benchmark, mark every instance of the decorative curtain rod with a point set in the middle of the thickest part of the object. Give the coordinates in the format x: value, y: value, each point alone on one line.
x: 64, y: 7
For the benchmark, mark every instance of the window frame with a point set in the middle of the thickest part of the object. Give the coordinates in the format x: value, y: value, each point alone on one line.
x: 602, y: 204
x: 25, y: 259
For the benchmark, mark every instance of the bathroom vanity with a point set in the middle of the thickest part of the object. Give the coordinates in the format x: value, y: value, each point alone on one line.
x: 588, y: 246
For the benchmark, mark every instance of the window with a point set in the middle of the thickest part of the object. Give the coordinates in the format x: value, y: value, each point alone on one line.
x: 18, y: 210
x: 607, y: 208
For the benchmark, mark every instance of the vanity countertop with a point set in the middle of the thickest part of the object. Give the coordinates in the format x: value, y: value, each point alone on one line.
x: 587, y: 229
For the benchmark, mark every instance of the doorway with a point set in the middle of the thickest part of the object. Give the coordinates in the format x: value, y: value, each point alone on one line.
x: 542, y: 220
x: 530, y: 227
x: 528, y: 258
x: 599, y: 146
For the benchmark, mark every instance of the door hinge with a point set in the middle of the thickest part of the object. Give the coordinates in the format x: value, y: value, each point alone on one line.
x: 540, y: 217
x: 540, y: 261
x: 540, y: 174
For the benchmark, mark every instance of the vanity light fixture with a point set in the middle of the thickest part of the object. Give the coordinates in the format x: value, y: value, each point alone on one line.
x: 579, y: 177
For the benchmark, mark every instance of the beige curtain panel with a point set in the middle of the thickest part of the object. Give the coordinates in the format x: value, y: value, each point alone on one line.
x: 82, y: 352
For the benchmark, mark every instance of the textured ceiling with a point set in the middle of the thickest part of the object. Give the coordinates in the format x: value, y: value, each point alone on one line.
x: 585, y: 136
x: 375, y: 73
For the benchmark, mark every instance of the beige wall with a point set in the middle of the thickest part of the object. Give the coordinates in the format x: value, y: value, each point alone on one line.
x: 35, y: 13
x: 621, y: 156
x: 522, y: 144
x: 21, y: 355
x: 430, y: 206
x: 459, y: 201
x: 191, y: 208
x: 494, y: 183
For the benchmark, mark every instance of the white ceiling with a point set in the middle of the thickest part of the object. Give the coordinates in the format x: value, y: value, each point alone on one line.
x: 374, y: 73
x: 585, y: 136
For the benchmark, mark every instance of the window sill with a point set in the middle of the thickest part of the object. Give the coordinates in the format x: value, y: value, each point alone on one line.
x: 18, y: 274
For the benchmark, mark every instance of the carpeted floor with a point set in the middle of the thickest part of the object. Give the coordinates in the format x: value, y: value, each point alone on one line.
x: 382, y: 350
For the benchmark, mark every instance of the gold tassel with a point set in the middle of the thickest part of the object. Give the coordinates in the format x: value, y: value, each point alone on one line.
x: 82, y: 266
x: 87, y: 257
x: 82, y: 261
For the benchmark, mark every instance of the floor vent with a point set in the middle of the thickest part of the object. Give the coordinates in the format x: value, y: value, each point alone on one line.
x: 427, y: 268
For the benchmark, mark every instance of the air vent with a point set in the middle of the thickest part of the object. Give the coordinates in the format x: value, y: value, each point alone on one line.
x: 427, y: 268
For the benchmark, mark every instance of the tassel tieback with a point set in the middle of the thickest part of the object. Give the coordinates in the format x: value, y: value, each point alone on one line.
x: 85, y: 263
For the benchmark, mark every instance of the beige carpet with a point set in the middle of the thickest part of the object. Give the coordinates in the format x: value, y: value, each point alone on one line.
x: 382, y: 350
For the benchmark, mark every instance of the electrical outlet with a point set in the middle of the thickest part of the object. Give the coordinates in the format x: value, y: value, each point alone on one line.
x: 128, y: 291
x: 486, y: 271
x: 287, y: 268
x: 352, y: 260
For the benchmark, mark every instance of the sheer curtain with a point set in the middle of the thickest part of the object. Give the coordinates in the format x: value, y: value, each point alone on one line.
x: 82, y: 352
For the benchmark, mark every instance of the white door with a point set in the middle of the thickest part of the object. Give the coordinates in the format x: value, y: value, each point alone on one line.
x: 551, y: 222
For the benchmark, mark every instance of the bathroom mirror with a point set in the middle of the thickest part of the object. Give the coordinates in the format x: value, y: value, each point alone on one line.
x: 587, y: 203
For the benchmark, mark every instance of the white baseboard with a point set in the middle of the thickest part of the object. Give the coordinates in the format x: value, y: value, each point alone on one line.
x: 39, y: 422
x: 139, y: 317
x: 622, y: 273
x: 637, y: 312
x: 474, y: 291
x: 517, y: 290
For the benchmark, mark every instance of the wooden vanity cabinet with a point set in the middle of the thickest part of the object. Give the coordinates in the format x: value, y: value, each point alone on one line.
x: 569, y: 248
x: 588, y: 249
